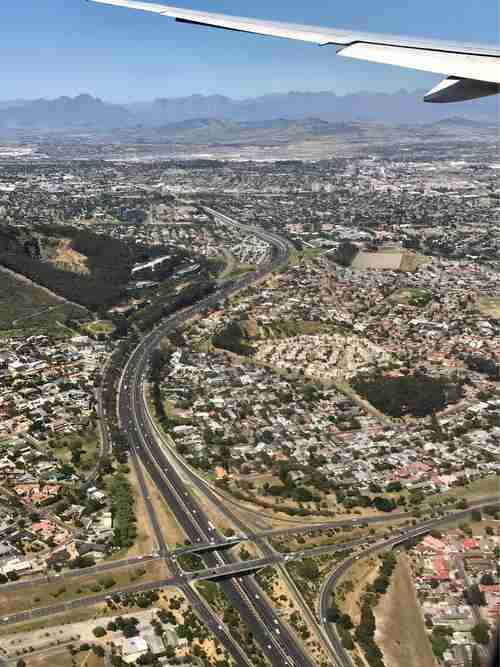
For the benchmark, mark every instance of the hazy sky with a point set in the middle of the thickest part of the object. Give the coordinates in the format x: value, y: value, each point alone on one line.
x: 64, y: 47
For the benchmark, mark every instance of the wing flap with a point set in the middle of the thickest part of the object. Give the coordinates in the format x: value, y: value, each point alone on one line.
x: 459, y: 90
x: 463, y: 65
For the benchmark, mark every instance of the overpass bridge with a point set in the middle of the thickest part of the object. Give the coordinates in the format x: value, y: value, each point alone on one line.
x: 397, y: 541
x: 238, y: 569
x: 207, y: 547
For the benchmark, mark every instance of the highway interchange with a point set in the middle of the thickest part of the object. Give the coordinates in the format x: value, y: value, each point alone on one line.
x: 174, y: 479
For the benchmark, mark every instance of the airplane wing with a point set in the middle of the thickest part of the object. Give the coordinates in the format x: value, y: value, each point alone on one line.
x: 472, y: 70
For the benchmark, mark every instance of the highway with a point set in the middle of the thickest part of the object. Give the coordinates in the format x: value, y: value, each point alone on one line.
x: 183, y: 581
x: 170, y: 473
x: 276, y: 640
x: 153, y: 449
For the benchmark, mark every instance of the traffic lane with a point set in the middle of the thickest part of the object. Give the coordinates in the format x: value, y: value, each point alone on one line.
x: 88, y: 601
x: 78, y: 572
x: 212, y: 621
x: 272, y: 623
x: 191, y: 529
x: 383, y: 518
x: 229, y: 589
x: 267, y: 612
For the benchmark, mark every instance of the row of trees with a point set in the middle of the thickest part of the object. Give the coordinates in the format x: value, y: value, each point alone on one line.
x: 364, y: 634
x: 122, y: 507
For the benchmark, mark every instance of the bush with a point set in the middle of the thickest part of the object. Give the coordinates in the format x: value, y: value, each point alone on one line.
x: 99, y: 631
x: 481, y: 633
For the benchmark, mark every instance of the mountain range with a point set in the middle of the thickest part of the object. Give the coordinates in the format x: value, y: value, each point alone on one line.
x: 86, y: 111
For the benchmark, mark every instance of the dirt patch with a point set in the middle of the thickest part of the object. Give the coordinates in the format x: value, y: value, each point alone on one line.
x: 490, y: 306
x: 68, y: 259
x: 400, y: 632
x: 477, y: 489
x: 285, y: 600
x: 63, y: 658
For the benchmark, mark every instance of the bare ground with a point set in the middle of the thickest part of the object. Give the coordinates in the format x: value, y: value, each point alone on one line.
x: 400, y: 632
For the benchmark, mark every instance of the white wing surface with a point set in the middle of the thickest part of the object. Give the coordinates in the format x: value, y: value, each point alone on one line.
x: 473, y: 70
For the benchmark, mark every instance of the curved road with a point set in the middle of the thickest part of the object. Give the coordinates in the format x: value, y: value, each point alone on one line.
x: 344, y: 658
x: 276, y: 640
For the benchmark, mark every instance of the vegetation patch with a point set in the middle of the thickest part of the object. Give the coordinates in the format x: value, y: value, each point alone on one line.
x: 100, y: 328
x: 108, y: 262
x: 122, y: 504
x: 418, y: 395
x: 236, y: 337
x: 239, y: 336
x: 26, y: 307
x: 413, y: 297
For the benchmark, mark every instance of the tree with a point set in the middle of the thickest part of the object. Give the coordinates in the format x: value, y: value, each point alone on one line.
x: 439, y: 640
x: 475, y: 596
x: 308, y: 569
x: 393, y: 486
x: 106, y: 581
x: 481, y: 633
x: 333, y: 614
x: 384, y: 504
x: 99, y: 631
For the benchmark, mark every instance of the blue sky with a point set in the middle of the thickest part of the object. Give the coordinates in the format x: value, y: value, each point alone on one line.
x: 64, y: 47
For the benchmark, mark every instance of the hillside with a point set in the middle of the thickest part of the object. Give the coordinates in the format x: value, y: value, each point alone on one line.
x: 88, y: 269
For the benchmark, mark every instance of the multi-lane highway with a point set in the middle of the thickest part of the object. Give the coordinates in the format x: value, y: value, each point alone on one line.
x: 152, y: 449
x: 276, y: 640
x: 170, y: 473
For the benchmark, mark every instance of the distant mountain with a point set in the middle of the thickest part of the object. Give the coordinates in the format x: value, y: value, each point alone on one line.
x: 90, y: 112
x: 458, y: 121
x: 277, y: 131
x: 65, y: 112
x: 399, y: 107
x: 12, y: 103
